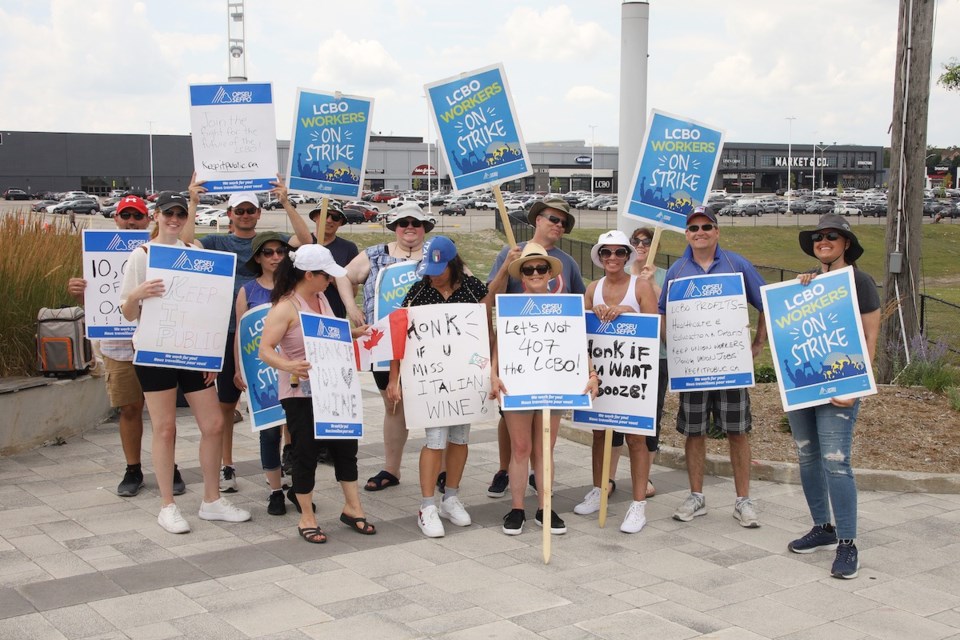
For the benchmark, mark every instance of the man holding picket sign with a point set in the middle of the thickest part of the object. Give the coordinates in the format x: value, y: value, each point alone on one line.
x: 730, y: 406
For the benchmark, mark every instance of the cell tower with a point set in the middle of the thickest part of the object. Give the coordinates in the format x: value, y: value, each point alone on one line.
x: 236, y: 45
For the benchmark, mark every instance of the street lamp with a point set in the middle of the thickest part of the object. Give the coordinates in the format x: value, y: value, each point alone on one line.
x: 790, y: 120
x: 593, y: 144
x: 823, y: 157
x: 150, y: 124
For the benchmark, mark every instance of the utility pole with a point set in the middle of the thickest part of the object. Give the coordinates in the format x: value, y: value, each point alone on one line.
x: 908, y: 145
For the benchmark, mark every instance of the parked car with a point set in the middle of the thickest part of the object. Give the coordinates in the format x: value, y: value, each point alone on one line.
x: 212, y: 217
x: 453, y: 210
x: 844, y: 209
x: 15, y: 194
x: 354, y: 215
x: 610, y: 206
x: 41, y: 206
x: 401, y: 200
x: 109, y: 210
x: 88, y: 206
x: 383, y: 196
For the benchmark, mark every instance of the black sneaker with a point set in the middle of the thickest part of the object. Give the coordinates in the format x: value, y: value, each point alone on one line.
x: 557, y: 526
x: 286, y: 465
x: 499, y: 485
x: 131, y: 484
x: 179, y: 486
x: 532, y: 481
x: 442, y: 482
x: 228, y: 479
x: 513, y: 521
x: 846, y: 565
x: 822, y: 536
x: 276, y: 507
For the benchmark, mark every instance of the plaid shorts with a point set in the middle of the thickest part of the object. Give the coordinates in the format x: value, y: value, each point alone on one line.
x: 730, y: 409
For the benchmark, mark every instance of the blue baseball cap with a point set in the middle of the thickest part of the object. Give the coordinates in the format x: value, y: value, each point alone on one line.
x: 437, y: 252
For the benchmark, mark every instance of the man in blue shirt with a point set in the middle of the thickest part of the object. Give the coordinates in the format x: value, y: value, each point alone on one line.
x: 730, y: 407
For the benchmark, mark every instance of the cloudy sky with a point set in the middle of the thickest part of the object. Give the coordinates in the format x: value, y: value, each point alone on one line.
x: 743, y: 65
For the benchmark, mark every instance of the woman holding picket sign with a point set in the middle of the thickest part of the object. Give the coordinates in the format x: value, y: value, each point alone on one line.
x: 301, y: 279
x: 534, y: 268
x: 824, y: 433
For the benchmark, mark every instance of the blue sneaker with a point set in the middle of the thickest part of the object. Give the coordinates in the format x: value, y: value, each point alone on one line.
x: 846, y: 565
x: 822, y: 536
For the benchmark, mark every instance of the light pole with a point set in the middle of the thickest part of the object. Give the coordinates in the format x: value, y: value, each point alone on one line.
x: 593, y: 144
x: 822, y: 148
x: 150, y: 124
x: 790, y: 120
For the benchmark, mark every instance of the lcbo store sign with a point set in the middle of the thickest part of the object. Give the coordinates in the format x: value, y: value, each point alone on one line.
x: 602, y: 183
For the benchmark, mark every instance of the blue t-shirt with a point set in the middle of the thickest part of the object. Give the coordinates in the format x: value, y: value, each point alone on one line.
x: 723, y: 262
x: 570, y: 280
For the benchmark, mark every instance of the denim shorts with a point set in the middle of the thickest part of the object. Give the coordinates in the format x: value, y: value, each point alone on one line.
x: 437, y: 437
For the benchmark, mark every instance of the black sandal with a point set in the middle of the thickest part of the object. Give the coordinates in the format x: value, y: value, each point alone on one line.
x: 360, y: 525
x: 381, y: 481
x: 292, y: 497
x: 313, y: 535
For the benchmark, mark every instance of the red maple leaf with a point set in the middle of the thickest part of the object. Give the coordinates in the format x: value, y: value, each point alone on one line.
x: 375, y: 336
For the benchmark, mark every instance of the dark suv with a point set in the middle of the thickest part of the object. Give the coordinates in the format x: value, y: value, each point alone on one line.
x: 15, y: 194
x: 88, y: 206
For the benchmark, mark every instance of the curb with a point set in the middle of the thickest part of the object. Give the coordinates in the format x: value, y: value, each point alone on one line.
x: 789, y: 472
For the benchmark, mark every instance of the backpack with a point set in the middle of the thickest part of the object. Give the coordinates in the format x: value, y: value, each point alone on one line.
x: 62, y: 346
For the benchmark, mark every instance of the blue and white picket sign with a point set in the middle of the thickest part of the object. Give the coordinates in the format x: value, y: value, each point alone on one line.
x: 263, y: 391
x: 234, y: 136
x: 393, y: 283
x: 708, y: 333
x: 329, y: 143
x: 675, y: 170
x: 479, y: 132
x: 334, y: 381
x: 817, y: 340
x: 542, y: 351
x: 105, y: 255
x: 626, y: 354
x: 186, y: 327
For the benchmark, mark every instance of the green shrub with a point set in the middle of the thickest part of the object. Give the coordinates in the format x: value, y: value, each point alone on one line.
x: 928, y: 367
x: 765, y: 373
x: 37, y: 257
x: 954, y: 395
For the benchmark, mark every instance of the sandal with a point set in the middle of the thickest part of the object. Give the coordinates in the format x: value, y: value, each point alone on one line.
x: 613, y: 487
x: 313, y: 535
x: 651, y: 490
x: 381, y: 481
x: 292, y: 497
x: 360, y: 525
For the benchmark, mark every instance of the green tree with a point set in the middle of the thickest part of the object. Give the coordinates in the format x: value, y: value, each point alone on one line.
x: 950, y: 78
x: 555, y: 185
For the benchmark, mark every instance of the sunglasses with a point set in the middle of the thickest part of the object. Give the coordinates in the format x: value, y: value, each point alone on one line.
x: 620, y: 253
x: 832, y: 236
x: 244, y: 212
x: 336, y: 217
x: 529, y: 270
x: 280, y: 251
x: 697, y: 227
x: 409, y: 222
x: 180, y: 213
x: 554, y: 219
x: 638, y: 242
x: 126, y: 215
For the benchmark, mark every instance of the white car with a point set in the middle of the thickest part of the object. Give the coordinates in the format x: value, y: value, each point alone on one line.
x: 610, y: 206
x: 297, y: 198
x: 513, y: 205
x: 212, y: 217
x: 401, y: 200
x: 846, y: 210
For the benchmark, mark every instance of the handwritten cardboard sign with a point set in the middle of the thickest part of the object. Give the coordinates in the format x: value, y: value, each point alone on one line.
x: 445, y: 372
x: 626, y: 354
x: 263, y: 392
x: 479, y: 132
x: 234, y: 136
x: 677, y: 163
x: 328, y: 147
x: 186, y: 328
x: 816, y: 336
x: 105, y: 255
x: 708, y: 333
x: 542, y: 351
x: 334, y: 383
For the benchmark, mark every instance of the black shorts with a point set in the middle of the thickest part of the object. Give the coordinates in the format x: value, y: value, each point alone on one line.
x: 382, y: 378
x: 227, y: 392
x: 165, y: 378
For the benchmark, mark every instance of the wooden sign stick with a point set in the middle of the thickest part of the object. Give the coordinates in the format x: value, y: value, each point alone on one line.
x: 502, y: 208
x: 605, y: 475
x: 547, y: 488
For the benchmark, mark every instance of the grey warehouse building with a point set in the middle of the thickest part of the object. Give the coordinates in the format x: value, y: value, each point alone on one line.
x: 99, y: 162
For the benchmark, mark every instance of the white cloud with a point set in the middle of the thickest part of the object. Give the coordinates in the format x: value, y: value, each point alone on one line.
x: 552, y: 35
x: 364, y: 63
x: 587, y: 94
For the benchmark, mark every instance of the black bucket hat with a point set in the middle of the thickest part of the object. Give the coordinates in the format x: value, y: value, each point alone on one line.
x: 840, y: 225
x: 258, y: 241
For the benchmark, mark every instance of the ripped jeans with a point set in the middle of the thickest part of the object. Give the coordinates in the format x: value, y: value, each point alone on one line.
x: 824, y: 435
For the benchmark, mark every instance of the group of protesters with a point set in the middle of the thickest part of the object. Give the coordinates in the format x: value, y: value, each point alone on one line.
x: 322, y: 273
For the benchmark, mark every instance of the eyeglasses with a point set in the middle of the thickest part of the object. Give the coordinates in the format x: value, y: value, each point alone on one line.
x: 638, y: 242
x: 409, y: 222
x: 280, y: 251
x: 126, y: 215
x: 529, y: 270
x: 180, y: 213
x: 832, y: 236
x: 697, y: 227
x: 336, y: 217
x: 554, y: 219
x: 620, y: 253
x: 244, y: 212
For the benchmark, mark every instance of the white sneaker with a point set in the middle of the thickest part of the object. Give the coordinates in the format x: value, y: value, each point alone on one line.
x: 746, y: 513
x: 590, y: 504
x: 429, y: 521
x: 636, y: 517
x: 224, y: 510
x: 690, y: 508
x: 172, y: 521
x: 452, y: 509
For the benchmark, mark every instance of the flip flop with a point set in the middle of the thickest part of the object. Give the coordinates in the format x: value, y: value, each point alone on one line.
x: 360, y: 525
x: 651, y: 490
x: 381, y: 481
x: 313, y: 535
x: 292, y: 497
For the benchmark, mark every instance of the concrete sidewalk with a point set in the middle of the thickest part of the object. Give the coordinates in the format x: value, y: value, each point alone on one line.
x: 76, y: 561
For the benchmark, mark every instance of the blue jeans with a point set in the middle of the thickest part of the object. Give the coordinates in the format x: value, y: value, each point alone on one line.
x: 823, y: 435
x: 270, y: 447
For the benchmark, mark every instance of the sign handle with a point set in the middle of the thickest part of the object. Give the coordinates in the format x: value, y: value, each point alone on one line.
x: 605, y: 475
x: 322, y: 218
x: 502, y: 208
x: 654, y: 244
x: 545, y: 480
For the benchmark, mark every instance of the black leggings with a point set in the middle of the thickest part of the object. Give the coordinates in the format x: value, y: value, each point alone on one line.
x: 305, y: 448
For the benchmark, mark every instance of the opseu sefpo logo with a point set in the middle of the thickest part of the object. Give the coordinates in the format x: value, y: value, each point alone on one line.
x: 222, y: 96
x: 120, y: 245
x: 184, y: 263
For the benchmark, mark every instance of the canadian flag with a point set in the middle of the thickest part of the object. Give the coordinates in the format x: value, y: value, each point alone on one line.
x: 384, y: 340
